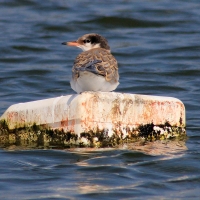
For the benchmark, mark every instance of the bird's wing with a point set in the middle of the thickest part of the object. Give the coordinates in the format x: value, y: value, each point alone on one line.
x: 97, y: 61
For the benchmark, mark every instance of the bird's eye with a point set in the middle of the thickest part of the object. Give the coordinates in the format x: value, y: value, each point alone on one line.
x: 86, y: 41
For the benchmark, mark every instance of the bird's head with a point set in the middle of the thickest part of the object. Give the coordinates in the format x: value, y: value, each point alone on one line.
x: 90, y: 41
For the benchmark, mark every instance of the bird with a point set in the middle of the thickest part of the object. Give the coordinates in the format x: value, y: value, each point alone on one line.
x: 95, y: 69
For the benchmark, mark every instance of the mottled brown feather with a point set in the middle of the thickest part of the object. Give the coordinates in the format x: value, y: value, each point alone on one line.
x: 107, y: 68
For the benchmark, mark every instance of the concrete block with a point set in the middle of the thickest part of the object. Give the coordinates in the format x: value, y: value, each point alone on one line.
x: 113, y: 113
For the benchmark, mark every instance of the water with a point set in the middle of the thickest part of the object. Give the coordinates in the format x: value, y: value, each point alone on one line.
x: 158, y: 49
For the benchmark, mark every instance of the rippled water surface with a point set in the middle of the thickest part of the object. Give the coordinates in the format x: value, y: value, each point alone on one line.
x: 157, y: 46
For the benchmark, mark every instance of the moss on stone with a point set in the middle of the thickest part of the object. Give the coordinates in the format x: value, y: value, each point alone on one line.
x: 40, y: 135
x: 153, y: 132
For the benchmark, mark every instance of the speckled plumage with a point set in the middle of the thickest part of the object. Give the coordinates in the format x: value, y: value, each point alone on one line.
x: 95, y: 69
x: 107, y: 68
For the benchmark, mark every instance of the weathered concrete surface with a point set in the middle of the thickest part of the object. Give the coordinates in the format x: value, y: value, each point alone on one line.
x: 113, y: 113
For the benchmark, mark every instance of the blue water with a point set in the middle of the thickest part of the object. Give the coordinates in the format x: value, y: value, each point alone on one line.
x: 157, y: 47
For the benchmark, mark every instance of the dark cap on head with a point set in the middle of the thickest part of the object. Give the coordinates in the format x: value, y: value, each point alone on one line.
x: 96, y: 38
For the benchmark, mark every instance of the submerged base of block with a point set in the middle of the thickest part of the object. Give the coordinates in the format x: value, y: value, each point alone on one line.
x: 41, y: 136
x: 93, y: 119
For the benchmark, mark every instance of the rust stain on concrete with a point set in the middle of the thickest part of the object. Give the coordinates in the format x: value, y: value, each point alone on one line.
x: 114, y: 115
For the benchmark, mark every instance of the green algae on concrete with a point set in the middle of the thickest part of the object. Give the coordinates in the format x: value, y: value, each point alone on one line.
x: 153, y: 132
x: 39, y: 135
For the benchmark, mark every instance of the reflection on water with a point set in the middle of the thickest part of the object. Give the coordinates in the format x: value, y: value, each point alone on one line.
x: 157, y: 148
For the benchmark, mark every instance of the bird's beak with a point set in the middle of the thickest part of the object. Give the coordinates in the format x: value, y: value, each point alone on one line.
x: 72, y: 43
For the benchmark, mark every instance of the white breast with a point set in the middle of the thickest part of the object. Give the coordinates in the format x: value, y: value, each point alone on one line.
x: 88, y: 81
